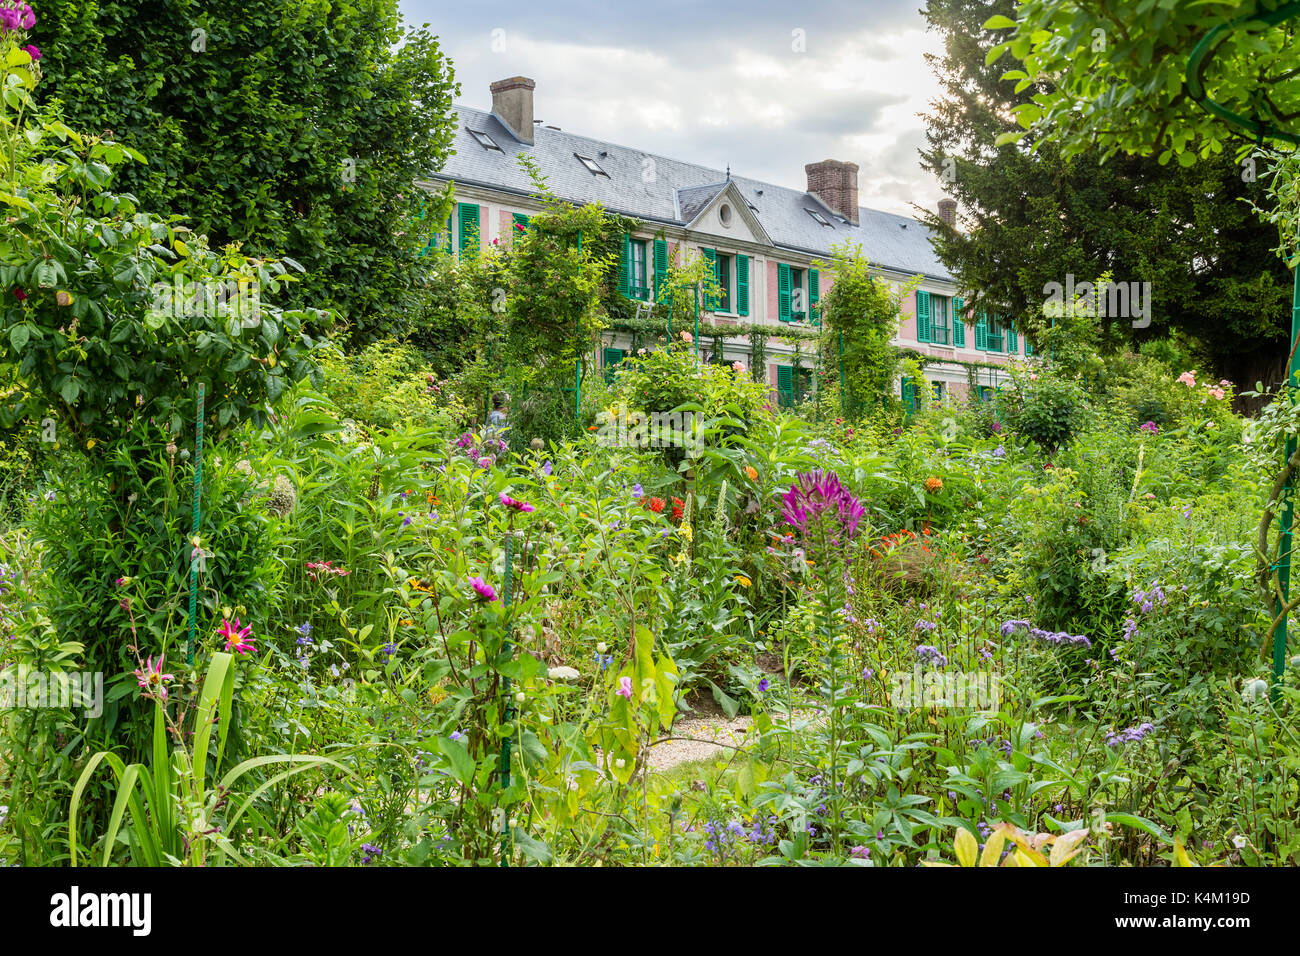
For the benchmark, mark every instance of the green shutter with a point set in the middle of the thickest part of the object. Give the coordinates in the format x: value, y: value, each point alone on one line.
x: 814, y: 296
x: 783, y: 292
x: 922, y: 316
x: 469, y: 233
x: 612, y: 357
x: 518, y: 223
x: 661, y: 267
x: 1013, y: 341
x: 625, y: 266
x: 909, y: 395
x: 785, y: 386
x: 711, y: 302
x: 1029, y: 346
x: 742, y: 285
x: 981, y: 331
x: 958, y: 323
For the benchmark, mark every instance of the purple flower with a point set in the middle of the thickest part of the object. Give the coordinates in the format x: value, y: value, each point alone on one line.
x: 1149, y: 427
x: 369, y: 853
x: 625, y: 687
x: 547, y: 468
x: 484, y: 590
x: 929, y: 653
x: 860, y: 852
x: 34, y: 51
x: 817, y: 493
x: 457, y: 735
x: 514, y: 504
x: 763, y: 685
x: 638, y: 491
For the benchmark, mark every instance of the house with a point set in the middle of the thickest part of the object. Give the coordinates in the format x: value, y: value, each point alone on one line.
x: 763, y: 239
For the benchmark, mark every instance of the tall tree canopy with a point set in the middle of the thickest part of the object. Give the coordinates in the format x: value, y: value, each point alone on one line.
x: 295, y: 126
x: 1037, y: 213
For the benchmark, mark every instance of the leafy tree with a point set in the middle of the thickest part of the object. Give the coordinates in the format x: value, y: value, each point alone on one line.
x: 1037, y: 215
x: 861, y: 315
x: 297, y: 127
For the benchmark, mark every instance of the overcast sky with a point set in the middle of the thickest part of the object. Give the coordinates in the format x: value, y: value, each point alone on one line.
x: 717, y: 82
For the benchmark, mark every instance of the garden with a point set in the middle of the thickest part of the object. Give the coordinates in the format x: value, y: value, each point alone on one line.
x: 285, y: 587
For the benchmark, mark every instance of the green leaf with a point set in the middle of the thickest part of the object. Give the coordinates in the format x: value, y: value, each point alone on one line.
x: 19, y: 336
x: 462, y: 764
x: 999, y: 22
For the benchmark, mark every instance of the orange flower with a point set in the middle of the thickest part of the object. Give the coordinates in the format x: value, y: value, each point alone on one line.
x: 934, y: 485
x: 751, y: 472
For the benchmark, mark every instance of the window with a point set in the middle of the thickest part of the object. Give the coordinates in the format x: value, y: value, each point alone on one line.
x: 724, y: 282
x: 937, y: 388
x: 592, y: 166
x: 640, y: 287
x: 724, y: 215
x: 518, y: 223
x: 994, y: 337
x: 939, y: 330
x: 611, y: 359
x: 798, y: 305
x: 818, y: 217
x: 485, y: 140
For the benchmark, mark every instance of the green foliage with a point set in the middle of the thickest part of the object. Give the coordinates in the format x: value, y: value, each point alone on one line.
x: 328, y: 115
x: 385, y: 384
x: 861, y: 317
x: 1047, y: 406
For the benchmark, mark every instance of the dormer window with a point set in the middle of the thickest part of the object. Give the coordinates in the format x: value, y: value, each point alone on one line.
x: 818, y: 217
x: 593, y: 167
x: 485, y: 140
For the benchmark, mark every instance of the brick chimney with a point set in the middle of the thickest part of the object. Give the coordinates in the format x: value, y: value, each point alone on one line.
x: 512, y: 102
x: 836, y: 184
x: 948, y: 212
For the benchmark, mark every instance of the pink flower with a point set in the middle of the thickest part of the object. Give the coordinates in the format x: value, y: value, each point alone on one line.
x: 688, y: 338
x: 1216, y: 393
x: 1224, y: 381
x: 625, y: 687
x: 152, y: 678
x: 515, y: 504
x: 34, y: 51
x: 737, y: 367
x: 237, y: 638
x: 1188, y: 378
x: 483, y: 590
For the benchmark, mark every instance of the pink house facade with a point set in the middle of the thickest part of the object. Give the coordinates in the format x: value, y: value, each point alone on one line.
x: 768, y: 244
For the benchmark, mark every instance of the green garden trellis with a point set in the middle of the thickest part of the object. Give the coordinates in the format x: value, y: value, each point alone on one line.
x: 1261, y: 128
x: 195, y: 553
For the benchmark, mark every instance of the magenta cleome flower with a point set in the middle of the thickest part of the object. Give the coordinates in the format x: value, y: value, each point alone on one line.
x: 817, y: 493
x: 625, y: 687
x: 483, y: 590
x: 238, y: 639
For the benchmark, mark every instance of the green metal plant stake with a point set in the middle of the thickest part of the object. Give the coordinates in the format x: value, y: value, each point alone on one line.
x: 507, y: 711
x: 194, y: 533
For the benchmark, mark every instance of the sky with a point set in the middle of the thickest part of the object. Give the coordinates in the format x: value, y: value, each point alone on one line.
x: 763, y: 86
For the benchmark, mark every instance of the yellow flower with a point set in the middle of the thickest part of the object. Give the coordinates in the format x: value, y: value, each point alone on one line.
x: 678, y: 559
x: 685, y: 532
x: 742, y: 580
x: 90, y: 444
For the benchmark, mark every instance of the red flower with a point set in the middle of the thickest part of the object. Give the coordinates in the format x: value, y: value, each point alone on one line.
x: 654, y: 504
x: 678, y: 505
x: 19, y: 294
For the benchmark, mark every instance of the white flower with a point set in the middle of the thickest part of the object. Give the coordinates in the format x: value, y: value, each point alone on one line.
x: 1255, y: 689
x: 602, y: 647
x: 1239, y: 841
x: 521, y: 697
x: 620, y: 763
x: 563, y: 673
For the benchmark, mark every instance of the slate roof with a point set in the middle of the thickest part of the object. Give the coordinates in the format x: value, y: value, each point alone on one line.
x: 676, y: 192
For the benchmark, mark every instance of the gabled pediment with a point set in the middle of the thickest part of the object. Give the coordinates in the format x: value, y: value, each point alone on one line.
x: 720, y: 209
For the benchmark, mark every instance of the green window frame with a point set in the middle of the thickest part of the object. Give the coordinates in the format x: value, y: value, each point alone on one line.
x: 1013, y: 341
x: 940, y: 333
x: 638, y: 278
x: 958, y: 324
x: 814, y: 297
x: 922, y: 316
x: 711, y: 256
x: 907, y: 388
x: 722, y: 275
